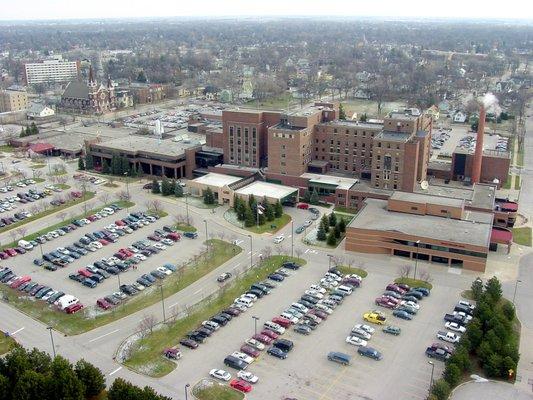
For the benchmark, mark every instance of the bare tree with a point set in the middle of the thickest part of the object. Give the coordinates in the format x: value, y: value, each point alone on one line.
x: 123, y: 195
x: 279, y: 249
x: 147, y: 324
x: 13, y: 235
x: 34, y: 209
x: 267, y: 252
x: 37, y: 173
x: 104, y: 198
x: 298, y: 252
x: 22, y: 231
x: 425, y: 276
x: 61, y: 215
x: 154, y: 205
x: 174, y: 314
x: 405, y: 270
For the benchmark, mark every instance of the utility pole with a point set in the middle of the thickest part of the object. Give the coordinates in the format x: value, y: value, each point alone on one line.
x: 431, y: 380
x: 516, y: 287
x: 416, y: 259
x: 292, y: 238
x: 52, y: 340
x: 255, y: 323
x: 251, y: 250
x: 163, y: 303
x: 187, y: 206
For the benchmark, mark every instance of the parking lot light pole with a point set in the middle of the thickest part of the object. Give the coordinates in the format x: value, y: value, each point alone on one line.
x: 187, y: 206
x: 292, y: 238
x: 186, y: 390
x: 330, y: 256
x: 127, y: 190
x: 206, y: 236
x: 118, y: 276
x: 516, y: 287
x: 431, y: 379
x: 416, y: 259
x: 163, y: 303
x: 255, y: 323
x: 52, y: 340
x: 251, y: 250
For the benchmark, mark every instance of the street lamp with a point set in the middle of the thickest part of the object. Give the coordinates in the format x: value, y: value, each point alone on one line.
x: 251, y: 250
x: 255, y: 323
x: 292, y: 238
x: 416, y: 259
x: 516, y: 287
x: 187, y: 206
x: 127, y: 191
x: 52, y: 340
x: 118, y: 276
x: 162, y: 303
x: 206, y: 236
x: 330, y: 257
x: 431, y: 380
x: 186, y: 390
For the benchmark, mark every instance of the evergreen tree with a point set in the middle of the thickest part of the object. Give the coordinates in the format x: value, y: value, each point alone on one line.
x: 64, y: 383
x: 92, y: 378
x: 105, y: 167
x: 165, y: 189
x: 314, y: 199
x: 124, y: 166
x: 331, y: 239
x: 307, y: 197
x: 81, y: 164
x: 249, y: 219
x: 209, y: 197
x: 252, y: 202
x: 31, y: 385
x: 133, y: 171
x: 33, y: 129
x: 178, y: 190
x: 324, y: 222
x: 28, y: 131
x: 115, y: 165
x: 342, y: 113
x: 332, y: 219
x: 89, y: 164
x: 342, y: 225
x: 141, y: 77
x: 477, y: 289
x: 278, y: 209
x: 337, y: 231
x: 269, y: 212
x: 121, y: 390
x: 261, y: 218
x: 321, y: 233
x: 363, y: 118
x: 5, y: 388
x: 155, y: 186
x: 493, y: 288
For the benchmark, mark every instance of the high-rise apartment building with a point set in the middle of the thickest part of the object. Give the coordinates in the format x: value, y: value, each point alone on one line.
x: 13, y: 100
x: 55, y: 70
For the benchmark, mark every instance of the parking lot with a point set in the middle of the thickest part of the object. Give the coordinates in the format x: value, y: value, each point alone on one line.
x: 403, y: 372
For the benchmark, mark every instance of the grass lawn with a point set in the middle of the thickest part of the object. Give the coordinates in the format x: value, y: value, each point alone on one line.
x: 217, y: 392
x: 147, y: 358
x: 110, y: 185
x: 508, y: 182
x: 75, y: 324
x: 7, y: 343
x: 414, y: 282
x: 517, y: 183
x: 39, y: 180
x: 7, y: 148
x: 370, y: 107
x: 185, y: 228
x: 345, y: 210
x: 58, y: 173
x: 467, y: 294
x: 266, y: 227
x: 352, y: 270
x: 70, y: 203
x: 37, y: 166
x: 123, y: 204
x: 276, y: 103
x: 522, y: 236
x: 63, y: 186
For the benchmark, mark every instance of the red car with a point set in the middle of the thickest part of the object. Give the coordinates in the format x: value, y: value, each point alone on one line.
x: 262, y: 338
x: 404, y: 286
x: 84, y: 273
x: 250, y: 351
x: 91, y: 218
x: 10, y: 252
x: 119, y: 222
x: 3, y: 255
x: 284, y: 322
x: 19, y: 281
x: 154, y: 238
x: 391, y: 299
x: 174, y: 236
x: 270, y: 334
x: 303, y: 206
x: 73, y: 308
x: 120, y: 255
x: 396, y: 288
x: 104, y: 304
x: 76, y: 194
x: 103, y: 242
x: 241, y: 385
x: 385, y: 302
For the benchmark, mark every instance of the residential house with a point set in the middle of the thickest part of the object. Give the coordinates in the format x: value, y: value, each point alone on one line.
x: 38, y: 110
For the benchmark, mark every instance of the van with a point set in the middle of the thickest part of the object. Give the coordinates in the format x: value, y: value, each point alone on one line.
x: 340, y: 358
x: 67, y: 301
x: 274, y: 327
x: 25, y: 244
x: 235, y: 363
x: 244, y: 301
x: 345, y: 289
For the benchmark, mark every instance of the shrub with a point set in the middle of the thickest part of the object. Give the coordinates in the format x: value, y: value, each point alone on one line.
x: 452, y: 374
x: 441, y: 389
x: 508, y: 311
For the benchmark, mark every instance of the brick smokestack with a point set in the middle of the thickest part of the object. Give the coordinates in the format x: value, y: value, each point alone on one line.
x: 478, y: 153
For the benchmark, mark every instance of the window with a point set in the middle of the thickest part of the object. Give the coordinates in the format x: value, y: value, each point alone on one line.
x: 387, y: 163
x: 414, y: 208
x: 246, y: 132
x: 239, y: 131
x: 231, y: 130
x: 254, y: 132
x: 335, y: 130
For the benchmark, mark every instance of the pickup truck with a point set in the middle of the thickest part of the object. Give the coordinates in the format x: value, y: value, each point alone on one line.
x: 439, y: 354
x: 454, y: 318
x: 448, y: 336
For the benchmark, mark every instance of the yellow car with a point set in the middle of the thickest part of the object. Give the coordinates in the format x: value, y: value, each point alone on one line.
x: 375, y: 317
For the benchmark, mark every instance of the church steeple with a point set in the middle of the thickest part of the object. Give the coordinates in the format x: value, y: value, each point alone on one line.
x: 92, y: 82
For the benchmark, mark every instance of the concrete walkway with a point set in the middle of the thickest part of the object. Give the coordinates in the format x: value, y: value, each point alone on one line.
x: 489, y: 391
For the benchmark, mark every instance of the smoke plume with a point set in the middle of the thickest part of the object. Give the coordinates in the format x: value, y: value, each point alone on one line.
x: 490, y: 103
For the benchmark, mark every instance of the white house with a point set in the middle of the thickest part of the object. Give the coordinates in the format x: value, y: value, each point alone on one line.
x: 39, y: 110
x: 459, y: 117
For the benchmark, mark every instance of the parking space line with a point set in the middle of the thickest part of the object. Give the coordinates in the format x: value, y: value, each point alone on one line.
x: 17, y: 331
x: 198, y: 291
x: 333, y: 383
x: 104, y: 335
x: 115, y: 371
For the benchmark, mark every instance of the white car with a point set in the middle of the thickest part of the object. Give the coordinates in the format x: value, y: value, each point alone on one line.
x: 133, y: 249
x: 364, y: 327
x: 454, y: 326
x: 140, y: 257
x: 256, y: 343
x: 250, y: 296
x: 416, y: 306
x: 167, y: 242
x: 240, y: 306
x: 138, y: 286
x: 279, y: 239
x: 323, y: 307
x: 244, y: 357
x: 315, y: 294
x: 294, y: 312
x: 331, y: 276
x: 62, y: 250
x: 247, y: 376
x: 290, y: 317
x: 211, y: 325
x: 318, y: 288
x: 460, y: 314
x: 160, y: 246
x: 220, y: 374
x: 308, y: 223
x: 164, y: 270
x: 356, y: 341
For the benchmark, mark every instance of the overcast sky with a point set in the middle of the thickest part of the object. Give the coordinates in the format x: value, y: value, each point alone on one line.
x: 67, y: 9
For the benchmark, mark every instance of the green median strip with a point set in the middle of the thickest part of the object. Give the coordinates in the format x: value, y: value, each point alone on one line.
x: 217, y: 392
x: 414, y: 283
x: 7, y: 343
x: 522, y: 236
x: 123, y: 204
x: 146, y: 357
x: 70, y: 203
x: 74, y: 324
x: 345, y: 269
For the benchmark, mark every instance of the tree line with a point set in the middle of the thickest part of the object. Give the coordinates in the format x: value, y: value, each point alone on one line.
x: 331, y: 229
x: 489, y: 342
x: 167, y: 187
x: 32, y: 375
x: 252, y: 212
x: 30, y: 130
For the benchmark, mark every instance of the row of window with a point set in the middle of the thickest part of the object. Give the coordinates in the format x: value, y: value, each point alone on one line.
x: 441, y: 248
x: 246, y: 131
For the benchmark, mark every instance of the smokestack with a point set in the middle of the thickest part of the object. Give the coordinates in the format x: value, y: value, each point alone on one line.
x: 478, y: 153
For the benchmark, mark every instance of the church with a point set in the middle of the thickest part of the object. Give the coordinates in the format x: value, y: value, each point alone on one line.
x: 89, y: 98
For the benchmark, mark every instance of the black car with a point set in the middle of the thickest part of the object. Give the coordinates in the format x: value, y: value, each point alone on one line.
x: 7, y: 277
x: 149, y: 278
x: 415, y: 293
x: 219, y: 320
x: 268, y: 284
x: 204, y: 331
x: 168, y: 229
x: 55, y: 297
x: 38, y: 262
x: 197, y: 338
x: 276, y: 277
x: 128, y: 289
x: 191, y: 344
x: 302, y: 329
x: 232, y: 311
x: 76, y: 277
x: 290, y: 265
x: 313, y: 210
x: 50, y: 267
x: 111, y: 299
x: 307, y: 304
x: 5, y: 272
x: 256, y: 292
x: 29, y: 288
x: 422, y: 290
x: 277, y: 352
x: 309, y: 299
x: 438, y: 354
x: 227, y: 316
x: 89, y: 283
